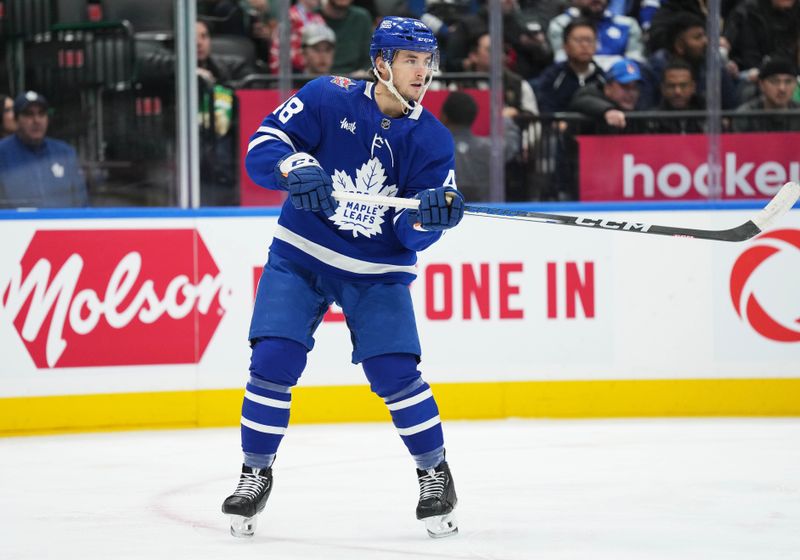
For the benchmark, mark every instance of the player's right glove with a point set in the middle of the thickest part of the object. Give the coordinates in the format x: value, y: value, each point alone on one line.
x: 439, y: 209
x: 309, y: 186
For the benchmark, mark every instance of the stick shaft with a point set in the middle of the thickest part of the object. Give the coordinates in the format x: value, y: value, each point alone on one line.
x: 785, y: 198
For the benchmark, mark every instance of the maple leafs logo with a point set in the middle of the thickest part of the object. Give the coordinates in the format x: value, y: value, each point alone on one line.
x: 364, y: 219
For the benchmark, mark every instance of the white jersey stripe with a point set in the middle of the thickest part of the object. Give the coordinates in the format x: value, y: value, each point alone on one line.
x: 263, y: 428
x: 277, y: 132
x: 410, y: 431
x: 256, y: 141
x: 266, y: 401
x: 338, y: 260
x: 411, y: 401
x: 397, y: 215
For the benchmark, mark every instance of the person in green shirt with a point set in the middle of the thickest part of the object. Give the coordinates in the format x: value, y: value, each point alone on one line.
x: 353, y: 28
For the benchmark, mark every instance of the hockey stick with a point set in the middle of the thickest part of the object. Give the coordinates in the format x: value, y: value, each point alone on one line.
x: 779, y: 205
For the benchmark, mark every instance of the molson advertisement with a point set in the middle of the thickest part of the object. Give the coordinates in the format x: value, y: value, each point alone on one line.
x: 113, y: 297
x: 139, y: 322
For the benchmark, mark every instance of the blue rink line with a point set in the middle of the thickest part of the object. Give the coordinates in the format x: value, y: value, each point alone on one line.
x: 268, y: 211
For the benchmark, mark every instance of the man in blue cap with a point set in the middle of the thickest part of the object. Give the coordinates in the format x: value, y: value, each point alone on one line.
x: 608, y: 102
x: 37, y: 171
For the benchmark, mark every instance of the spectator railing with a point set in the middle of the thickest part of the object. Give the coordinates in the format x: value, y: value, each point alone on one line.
x: 533, y: 176
x: 27, y: 19
x: 83, y: 55
x: 123, y: 130
x: 21, y: 22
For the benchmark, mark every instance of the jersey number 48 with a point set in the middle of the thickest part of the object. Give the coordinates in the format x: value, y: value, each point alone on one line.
x: 288, y: 109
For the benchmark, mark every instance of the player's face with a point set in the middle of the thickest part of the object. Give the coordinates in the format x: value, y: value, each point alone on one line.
x: 778, y: 90
x: 581, y: 44
x: 678, y: 87
x: 32, y: 124
x: 410, y: 70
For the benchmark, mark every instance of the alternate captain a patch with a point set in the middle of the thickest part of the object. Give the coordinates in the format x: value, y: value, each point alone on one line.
x: 342, y: 82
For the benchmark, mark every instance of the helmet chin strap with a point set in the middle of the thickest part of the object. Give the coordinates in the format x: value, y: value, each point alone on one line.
x: 407, y: 107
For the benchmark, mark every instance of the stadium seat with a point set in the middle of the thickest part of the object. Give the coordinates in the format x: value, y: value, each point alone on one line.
x: 234, y: 45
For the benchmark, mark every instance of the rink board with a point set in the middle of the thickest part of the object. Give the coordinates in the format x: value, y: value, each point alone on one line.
x: 123, y: 320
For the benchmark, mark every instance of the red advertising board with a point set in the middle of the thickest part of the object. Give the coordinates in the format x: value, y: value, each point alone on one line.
x: 114, y: 297
x: 256, y: 104
x: 675, y: 167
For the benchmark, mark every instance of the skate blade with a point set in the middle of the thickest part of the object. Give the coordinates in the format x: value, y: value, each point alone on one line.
x: 243, y: 527
x: 440, y: 526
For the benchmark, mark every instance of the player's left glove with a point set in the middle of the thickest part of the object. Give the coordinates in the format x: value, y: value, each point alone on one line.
x: 309, y: 185
x: 439, y: 209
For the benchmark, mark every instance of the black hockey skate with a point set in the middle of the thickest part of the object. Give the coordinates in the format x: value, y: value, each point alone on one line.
x: 248, y: 500
x: 437, y: 500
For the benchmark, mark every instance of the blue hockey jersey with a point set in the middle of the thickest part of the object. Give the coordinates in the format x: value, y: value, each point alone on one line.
x: 337, y: 120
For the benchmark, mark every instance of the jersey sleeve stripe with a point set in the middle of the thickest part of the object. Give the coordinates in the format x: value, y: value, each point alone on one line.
x: 397, y: 215
x: 256, y: 141
x: 277, y: 132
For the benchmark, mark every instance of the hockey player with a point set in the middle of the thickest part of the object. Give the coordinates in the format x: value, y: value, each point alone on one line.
x: 367, y: 137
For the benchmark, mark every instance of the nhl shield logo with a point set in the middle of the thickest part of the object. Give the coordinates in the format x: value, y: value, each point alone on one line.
x: 385, y: 124
x: 342, y: 82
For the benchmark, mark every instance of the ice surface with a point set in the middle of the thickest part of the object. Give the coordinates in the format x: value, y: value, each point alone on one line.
x: 621, y: 489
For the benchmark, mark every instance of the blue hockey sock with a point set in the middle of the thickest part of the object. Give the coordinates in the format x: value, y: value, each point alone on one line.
x: 275, y: 366
x: 265, y: 417
x: 416, y: 417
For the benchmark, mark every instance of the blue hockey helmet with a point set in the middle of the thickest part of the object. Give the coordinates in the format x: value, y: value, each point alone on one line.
x: 402, y: 33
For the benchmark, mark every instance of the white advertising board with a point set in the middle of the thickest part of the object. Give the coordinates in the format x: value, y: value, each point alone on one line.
x: 163, y: 304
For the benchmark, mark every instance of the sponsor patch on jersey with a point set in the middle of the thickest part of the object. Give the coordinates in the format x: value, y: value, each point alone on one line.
x: 347, y: 125
x: 342, y: 82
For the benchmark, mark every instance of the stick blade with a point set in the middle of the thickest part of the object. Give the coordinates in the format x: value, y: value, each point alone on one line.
x: 778, y: 206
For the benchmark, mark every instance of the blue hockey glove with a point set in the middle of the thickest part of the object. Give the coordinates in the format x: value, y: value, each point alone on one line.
x: 309, y: 185
x: 434, y: 212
